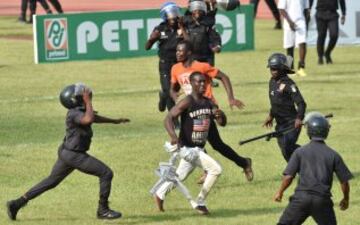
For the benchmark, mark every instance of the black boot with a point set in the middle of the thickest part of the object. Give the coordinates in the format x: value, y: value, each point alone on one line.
x: 328, y: 58
x: 22, y: 18
x: 30, y: 21
x: 278, y: 25
x: 104, y: 212
x: 13, y: 207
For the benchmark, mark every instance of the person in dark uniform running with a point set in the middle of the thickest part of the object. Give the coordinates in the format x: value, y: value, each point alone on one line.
x: 327, y: 19
x: 32, y: 7
x: 284, y: 96
x: 273, y: 8
x: 315, y: 163
x: 195, y: 111
x: 180, y: 73
x: 72, y: 153
x: 168, y: 33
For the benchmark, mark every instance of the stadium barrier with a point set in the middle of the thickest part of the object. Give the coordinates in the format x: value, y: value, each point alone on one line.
x: 121, y: 34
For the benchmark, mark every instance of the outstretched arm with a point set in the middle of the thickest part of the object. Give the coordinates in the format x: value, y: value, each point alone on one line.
x: 102, y: 119
x: 229, y: 91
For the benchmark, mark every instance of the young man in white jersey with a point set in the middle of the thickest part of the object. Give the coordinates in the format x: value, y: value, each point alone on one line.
x: 296, y: 13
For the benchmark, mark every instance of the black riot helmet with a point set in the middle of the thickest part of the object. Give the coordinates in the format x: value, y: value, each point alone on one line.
x: 228, y: 5
x: 280, y: 62
x: 317, y: 126
x: 71, y: 95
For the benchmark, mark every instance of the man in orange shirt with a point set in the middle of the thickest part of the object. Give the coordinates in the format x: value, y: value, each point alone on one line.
x: 180, y: 73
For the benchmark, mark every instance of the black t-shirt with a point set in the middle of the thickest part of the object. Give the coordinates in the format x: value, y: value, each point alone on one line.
x: 284, y: 95
x: 316, y: 163
x: 195, y: 123
x: 77, y: 137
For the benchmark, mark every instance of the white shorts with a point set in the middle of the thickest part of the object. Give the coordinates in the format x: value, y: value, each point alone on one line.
x: 294, y: 38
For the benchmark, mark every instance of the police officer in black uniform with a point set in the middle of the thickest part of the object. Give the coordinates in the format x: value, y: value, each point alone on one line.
x: 315, y: 163
x: 168, y: 33
x: 284, y: 96
x: 327, y: 19
x: 200, y: 25
x: 72, y: 153
x: 199, y: 21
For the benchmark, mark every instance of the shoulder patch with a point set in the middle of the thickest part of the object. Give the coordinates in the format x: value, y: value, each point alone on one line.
x: 293, y: 88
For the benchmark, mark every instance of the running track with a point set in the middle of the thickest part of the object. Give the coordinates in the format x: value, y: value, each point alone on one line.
x: 12, y: 7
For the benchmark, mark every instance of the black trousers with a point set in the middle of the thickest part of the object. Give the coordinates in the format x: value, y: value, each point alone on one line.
x: 302, y: 205
x: 272, y: 6
x: 24, y: 7
x: 216, y: 143
x: 165, y: 78
x: 56, y: 5
x: 66, y: 163
x: 327, y: 21
x: 287, y: 141
x: 43, y: 3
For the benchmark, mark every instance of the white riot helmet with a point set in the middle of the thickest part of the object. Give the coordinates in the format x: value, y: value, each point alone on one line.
x: 197, y: 5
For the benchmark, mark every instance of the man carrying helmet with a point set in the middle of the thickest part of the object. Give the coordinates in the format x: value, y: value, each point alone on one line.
x: 315, y: 163
x: 72, y: 153
x: 284, y: 96
x: 168, y: 33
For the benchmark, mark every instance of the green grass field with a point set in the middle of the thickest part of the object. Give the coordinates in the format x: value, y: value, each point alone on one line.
x: 32, y: 127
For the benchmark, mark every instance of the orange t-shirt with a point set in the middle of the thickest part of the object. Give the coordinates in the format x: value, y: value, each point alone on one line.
x: 181, y: 74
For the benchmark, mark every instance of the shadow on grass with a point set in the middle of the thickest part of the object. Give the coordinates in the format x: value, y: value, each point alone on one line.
x: 356, y: 174
x: 354, y: 73
x: 251, y: 83
x: 256, y: 181
x: 223, y: 213
x: 178, y: 214
x: 171, y: 215
x: 41, y: 219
